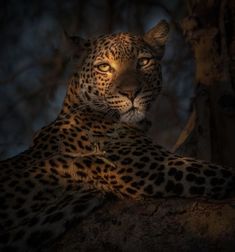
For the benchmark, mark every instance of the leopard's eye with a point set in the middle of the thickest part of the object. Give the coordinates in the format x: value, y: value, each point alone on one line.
x: 143, y: 62
x: 104, y: 67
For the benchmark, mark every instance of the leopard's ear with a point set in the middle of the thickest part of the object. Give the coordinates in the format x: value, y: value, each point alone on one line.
x: 157, y: 37
x: 75, y: 46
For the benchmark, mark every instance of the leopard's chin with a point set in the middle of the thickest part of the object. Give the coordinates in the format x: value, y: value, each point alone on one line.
x: 132, y: 116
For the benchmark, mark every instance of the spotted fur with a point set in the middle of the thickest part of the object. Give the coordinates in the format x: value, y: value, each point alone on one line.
x: 97, y: 146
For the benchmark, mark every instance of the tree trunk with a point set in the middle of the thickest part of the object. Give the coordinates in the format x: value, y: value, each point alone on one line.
x: 210, y: 29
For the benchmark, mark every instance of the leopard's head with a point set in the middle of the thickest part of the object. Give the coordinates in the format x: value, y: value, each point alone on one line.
x: 118, y: 74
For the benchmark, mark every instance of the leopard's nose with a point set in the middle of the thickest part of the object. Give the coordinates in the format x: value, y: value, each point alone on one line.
x: 129, y: 93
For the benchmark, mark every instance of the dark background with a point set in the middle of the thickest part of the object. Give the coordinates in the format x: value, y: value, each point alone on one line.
x: 34, y: 65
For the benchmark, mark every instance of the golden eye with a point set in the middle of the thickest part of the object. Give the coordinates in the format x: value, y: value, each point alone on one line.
x: 143, y: 61
x: 104, y: 67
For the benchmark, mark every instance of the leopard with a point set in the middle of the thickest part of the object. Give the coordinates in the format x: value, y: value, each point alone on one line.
x: 98, y: 146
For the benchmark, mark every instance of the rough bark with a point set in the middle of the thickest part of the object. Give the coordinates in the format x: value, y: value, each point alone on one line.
x: 160, y: 225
